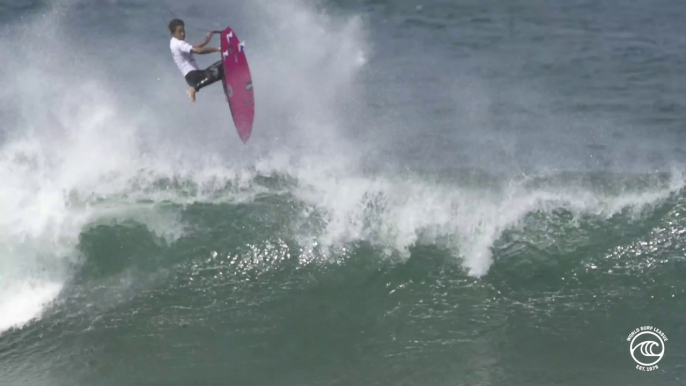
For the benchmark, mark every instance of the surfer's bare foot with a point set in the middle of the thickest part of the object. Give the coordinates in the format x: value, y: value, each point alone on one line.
x: 191, y: 94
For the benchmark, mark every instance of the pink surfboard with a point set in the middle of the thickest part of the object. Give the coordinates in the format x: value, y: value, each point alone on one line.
x: 238, y: 83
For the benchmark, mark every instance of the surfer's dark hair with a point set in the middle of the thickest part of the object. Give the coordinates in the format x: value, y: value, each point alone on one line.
x: 173, y: 24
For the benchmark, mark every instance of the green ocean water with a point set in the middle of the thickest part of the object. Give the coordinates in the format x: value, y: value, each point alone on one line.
x: 240, y: 298
x: 460, y: 215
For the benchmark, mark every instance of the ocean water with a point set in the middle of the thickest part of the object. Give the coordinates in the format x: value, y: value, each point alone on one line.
x: 436, y: 192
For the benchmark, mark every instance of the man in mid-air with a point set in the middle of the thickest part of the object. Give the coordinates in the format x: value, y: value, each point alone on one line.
x: 183, y: 57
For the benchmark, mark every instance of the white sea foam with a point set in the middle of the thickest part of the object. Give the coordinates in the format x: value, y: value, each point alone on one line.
x: 79, y: 151
x: 397, y: 213
x: 74, y: 143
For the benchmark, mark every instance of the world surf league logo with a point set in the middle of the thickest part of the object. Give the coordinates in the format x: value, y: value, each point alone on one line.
x: 647, y: 347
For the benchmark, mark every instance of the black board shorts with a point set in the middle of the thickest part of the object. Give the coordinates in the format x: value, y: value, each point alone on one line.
x: 201, y: 78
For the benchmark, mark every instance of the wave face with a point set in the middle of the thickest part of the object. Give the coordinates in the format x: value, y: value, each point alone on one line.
x: 441, y: 193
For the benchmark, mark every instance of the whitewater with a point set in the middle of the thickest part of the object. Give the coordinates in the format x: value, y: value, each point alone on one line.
x: 452, y: 192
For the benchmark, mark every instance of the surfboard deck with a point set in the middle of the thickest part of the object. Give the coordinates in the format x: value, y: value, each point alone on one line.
x: 238, y: 83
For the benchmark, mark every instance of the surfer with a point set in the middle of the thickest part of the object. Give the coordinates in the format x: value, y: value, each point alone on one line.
x: 183, y: 57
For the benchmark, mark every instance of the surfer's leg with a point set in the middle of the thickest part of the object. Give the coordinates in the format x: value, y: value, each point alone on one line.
x: 191, y: 94
x: 194, y: 78
x: 219, y: 68
x: 213, y: 73
x: 198, y: 79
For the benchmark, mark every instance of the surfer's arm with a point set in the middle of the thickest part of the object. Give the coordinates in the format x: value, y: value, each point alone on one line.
x: 207, y: 40
x: 205, y: 50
